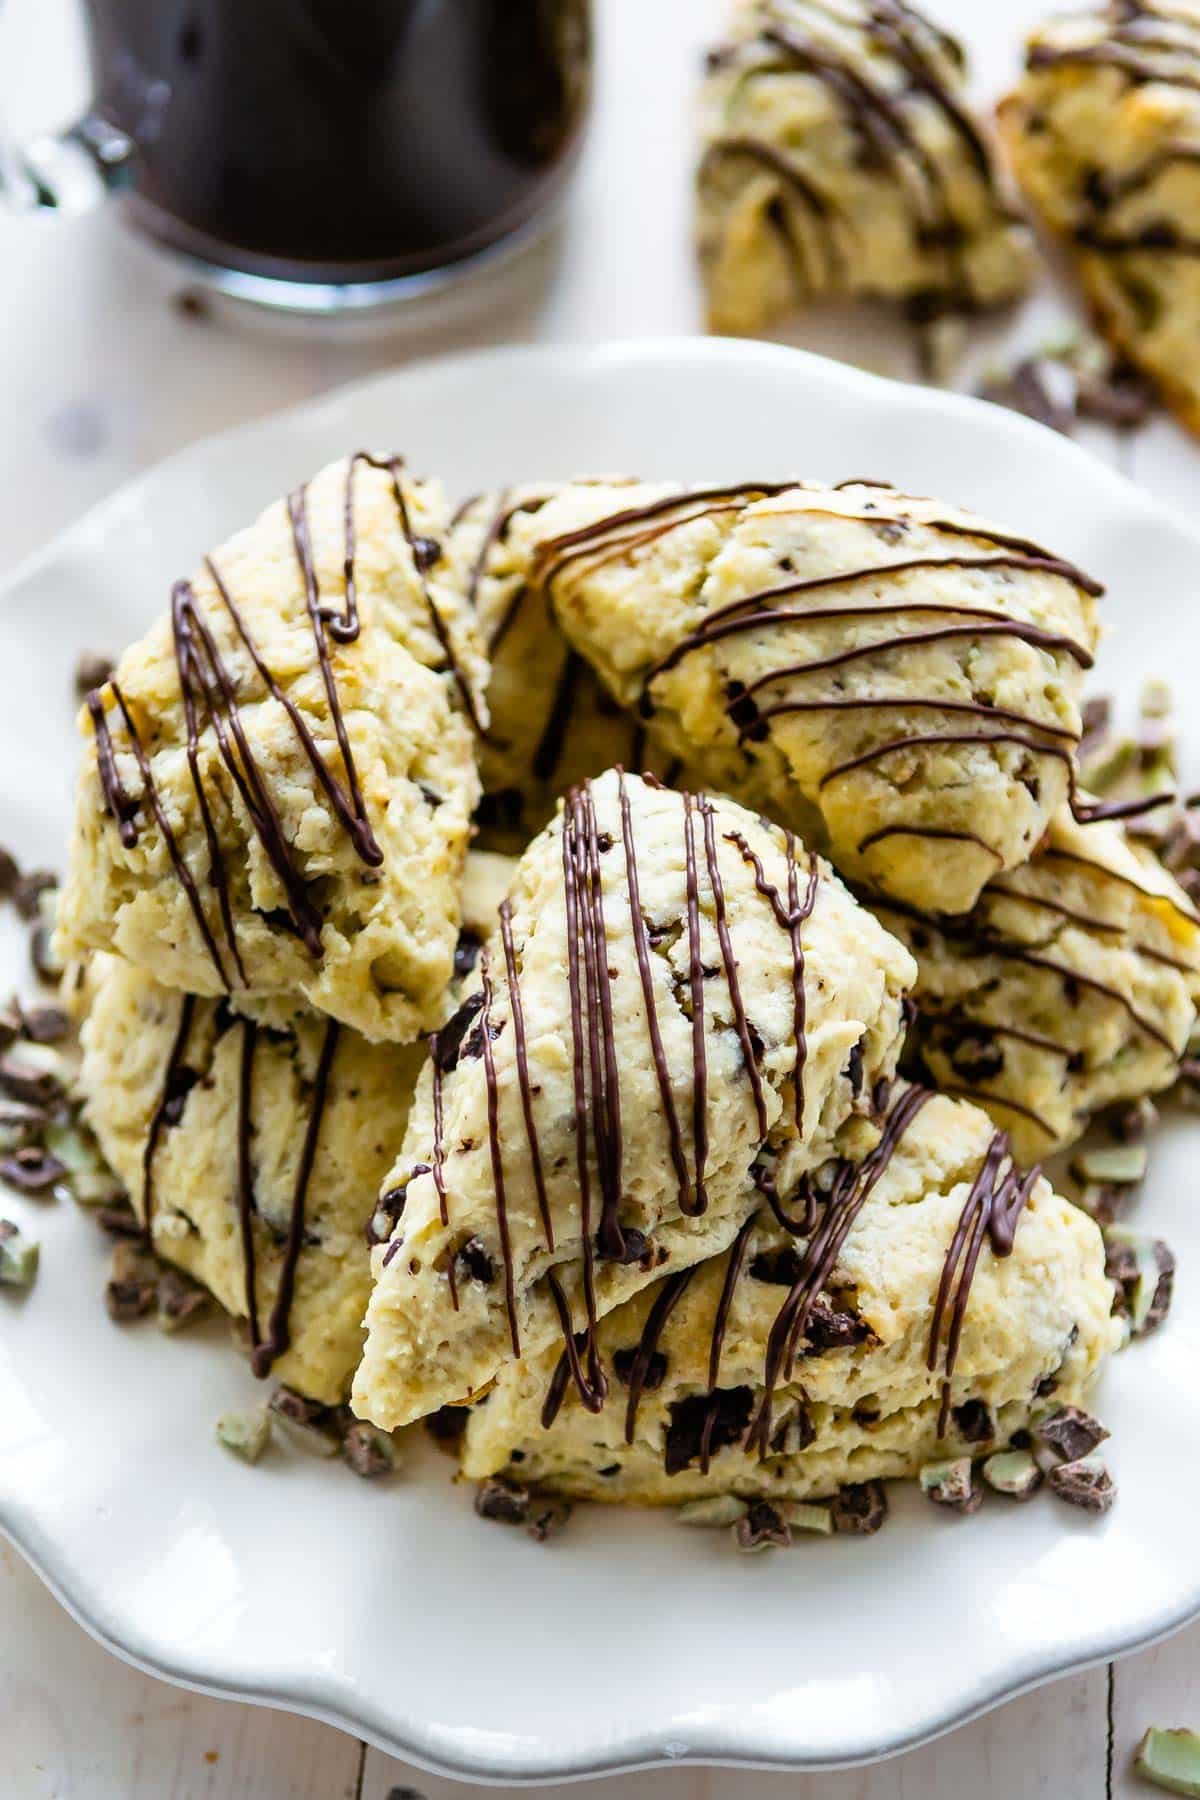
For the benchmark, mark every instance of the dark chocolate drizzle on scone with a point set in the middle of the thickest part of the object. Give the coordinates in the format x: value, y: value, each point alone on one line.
x: 881, y: 122
x: 265, y: 1349
x: 212, y: 696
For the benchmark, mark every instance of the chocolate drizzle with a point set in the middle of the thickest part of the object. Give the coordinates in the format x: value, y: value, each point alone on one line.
x: 521, y: 1055
x: 993, y: 1210
x: 669, y: 1294
x: 266, y: 1350
x: 789, y: 918
x: 212, y: 697
x: 851, y: 1188
x: 767, y: 610
x: 886, y: 136
x: 160, y: 1118
x: 497, y: 1156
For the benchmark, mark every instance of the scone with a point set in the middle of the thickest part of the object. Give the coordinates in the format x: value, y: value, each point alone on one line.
x: 840, y: 157
x: 892, y: 677
x: 278, y: 781
x: 552, y: 723
x: 683, y: 1009
x: 1103, y: 131
x: 255, y: 1152
x: 789, y: 1366
x: 1071, y: 985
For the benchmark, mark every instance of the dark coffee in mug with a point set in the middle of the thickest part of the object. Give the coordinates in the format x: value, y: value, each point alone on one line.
x: 341, y: 140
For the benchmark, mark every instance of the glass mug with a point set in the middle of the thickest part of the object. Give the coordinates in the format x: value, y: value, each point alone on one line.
x: 323, y: 154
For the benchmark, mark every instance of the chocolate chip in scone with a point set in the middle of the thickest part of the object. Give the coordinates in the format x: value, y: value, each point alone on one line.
x: 973, y: 1422
x: 507, y: 1502
x: 473, y: 1263
x: 796, y: 1432
x: 780, y: 1268
x: 466, y: 951
x: 446, y: 1046
x: 447, y: 1424
x: 389, y: 1208
x: 1085, y: 1482
x: 728, y: 1409
x: 834, y: 1328
x: 860, y: 1508
x: 626, y: 1245
x: 761, y: 1528
x: 656, y: 1367
x: 854, y: 1069
x: 426, y: 552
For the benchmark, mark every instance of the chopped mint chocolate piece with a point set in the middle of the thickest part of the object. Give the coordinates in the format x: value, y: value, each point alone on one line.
x: 803, y: 1516
x: 34, y: 1073
x: 179, y: 1300
x: 91, y: 671
x: 1085, y: 1482
x: 762, y: 1528
x: 302, y: 1423
x: 369, y: 1451
x: 714, y: 1510
x: 548, y: 1515
x: 1143, y: 1269
x: 27, y: 894
x: 1129, y: 1124
x: 507, y: 1502
x: 1103, y: 1202
x: 31, y: 1169
x: 245, y: 1434
x: 18, y: 1256
x: 121, y: 1221
x: 1170, y: 1759
x: 1013, y: 1472
x: 1124, y: 1164
x: 133, y: 1283
x: 1065, y: 1435
x: 44, y: 1024
x: 952, y: 1483
x: 860, y: 1508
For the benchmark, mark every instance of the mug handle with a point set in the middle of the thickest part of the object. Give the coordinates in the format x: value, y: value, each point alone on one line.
x: 69, y: 171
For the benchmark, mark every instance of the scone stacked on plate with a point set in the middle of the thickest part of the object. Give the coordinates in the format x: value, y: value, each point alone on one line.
x: 621, y: 1120
x: 1103, y: 131
x: 840, y: 158
x: 271, y: 832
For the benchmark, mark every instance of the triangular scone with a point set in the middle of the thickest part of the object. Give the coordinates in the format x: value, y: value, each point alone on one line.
x: 1103, y: 133
x: 277, y: 783
x: 866, y: 1394
x: 252, y: 1148
x: 894, y: 678
x: 841, y: 157
x: 552, y: 722
x: 569, y: 1142
x: 1071, y: 985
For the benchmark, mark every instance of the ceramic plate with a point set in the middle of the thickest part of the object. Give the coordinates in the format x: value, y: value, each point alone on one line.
x: 393, y: 1611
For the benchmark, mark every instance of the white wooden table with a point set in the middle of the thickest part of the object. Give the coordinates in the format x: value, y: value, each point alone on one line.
x: 100, y: 374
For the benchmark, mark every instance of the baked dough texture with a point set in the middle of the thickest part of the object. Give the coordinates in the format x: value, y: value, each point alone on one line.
x: 569, y: 1141
x: 1072, y: 985
x: 552, y: 723
x: 840, y: 157
x: 1103, y: 132
x: 167, y: 1121
x: 276, y: 788
x: 894, y: 678
x: 861, y: 1400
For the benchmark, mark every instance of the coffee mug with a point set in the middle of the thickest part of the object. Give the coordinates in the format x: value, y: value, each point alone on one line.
x: 321, y: 154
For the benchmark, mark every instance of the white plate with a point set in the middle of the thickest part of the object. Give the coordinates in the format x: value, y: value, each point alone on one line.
x: 395, y: 1612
